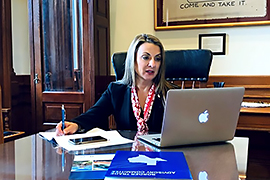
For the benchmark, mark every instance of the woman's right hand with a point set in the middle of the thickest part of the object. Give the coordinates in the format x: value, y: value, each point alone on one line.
x: 70, y: 128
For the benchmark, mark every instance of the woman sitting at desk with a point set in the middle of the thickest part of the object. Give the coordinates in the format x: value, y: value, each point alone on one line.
x: 137, y: 100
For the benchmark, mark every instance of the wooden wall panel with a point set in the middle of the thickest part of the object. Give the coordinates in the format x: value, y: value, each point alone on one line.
x: 102, y: 44
x: 5, y: 52
x: 102, y: 8
x: 21, y: 114
x: 53, y: 111
x: 254, y: 121
x: 257, y: 87
x: 102, y: 38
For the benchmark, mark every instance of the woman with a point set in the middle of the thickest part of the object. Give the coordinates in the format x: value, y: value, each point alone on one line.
x: 136, y: 101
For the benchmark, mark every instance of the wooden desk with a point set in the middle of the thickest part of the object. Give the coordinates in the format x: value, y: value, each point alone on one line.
x: 34, y: 158
x: 254, y: 119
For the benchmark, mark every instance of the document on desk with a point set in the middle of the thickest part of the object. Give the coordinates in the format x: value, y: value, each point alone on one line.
x: 113, y: 138
x: 255, y: 105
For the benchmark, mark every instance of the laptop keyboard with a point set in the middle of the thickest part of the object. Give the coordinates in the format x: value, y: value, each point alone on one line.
x: 157, y: 139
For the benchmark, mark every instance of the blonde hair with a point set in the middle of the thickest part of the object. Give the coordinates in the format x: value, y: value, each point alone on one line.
x: 129, y: 74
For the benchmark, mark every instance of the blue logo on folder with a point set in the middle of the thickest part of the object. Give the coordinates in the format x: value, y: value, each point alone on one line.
x: 148, y: 165
x: 144, y: 159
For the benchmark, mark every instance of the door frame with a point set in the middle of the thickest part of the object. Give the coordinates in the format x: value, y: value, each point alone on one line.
x: 36, y: 56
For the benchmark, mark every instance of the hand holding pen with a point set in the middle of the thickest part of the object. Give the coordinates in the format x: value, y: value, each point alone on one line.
x: 63, y: 117
x: 65, y: 127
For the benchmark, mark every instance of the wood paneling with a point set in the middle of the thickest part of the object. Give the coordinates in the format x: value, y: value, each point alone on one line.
x: 53, y: 111
x: 5, y: 133
x: 254, y: 121
x: 6, y: 64
x: 21, y: 115
x: 102, y: 44
x: 257, y: 88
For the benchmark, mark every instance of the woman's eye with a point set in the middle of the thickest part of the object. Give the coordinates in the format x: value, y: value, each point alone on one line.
x: 158, y: 58
x: 144, y: 57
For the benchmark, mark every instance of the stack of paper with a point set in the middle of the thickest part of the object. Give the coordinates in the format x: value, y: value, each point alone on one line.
x: 113, y: 138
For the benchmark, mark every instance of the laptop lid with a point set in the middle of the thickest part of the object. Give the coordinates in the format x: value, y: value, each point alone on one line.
x: 203, y: 115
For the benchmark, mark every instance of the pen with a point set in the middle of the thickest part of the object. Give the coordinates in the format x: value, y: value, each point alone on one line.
x: 63, y: 159
x: 63, y: 117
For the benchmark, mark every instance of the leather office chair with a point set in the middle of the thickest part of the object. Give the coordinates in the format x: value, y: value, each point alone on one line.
x: 181, y: 65
x: 1, y: 120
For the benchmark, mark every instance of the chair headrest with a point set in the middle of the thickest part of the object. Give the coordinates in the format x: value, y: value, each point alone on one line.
x: 188, y: 65
x: 182, y: 65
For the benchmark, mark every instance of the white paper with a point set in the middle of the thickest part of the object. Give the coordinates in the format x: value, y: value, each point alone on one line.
x: 113, y: 137
x: 254, y: 105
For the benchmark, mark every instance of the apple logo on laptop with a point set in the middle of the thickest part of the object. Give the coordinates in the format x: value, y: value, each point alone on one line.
x: 203, y: 175
x: 203, y: 117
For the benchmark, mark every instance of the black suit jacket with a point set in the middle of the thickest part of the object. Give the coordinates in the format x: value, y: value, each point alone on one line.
x: 116, y: 100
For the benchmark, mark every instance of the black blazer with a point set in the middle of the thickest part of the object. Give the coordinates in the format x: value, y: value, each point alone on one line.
x: 116, y: 100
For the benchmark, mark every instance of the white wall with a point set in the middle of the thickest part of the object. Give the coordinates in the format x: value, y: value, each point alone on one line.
x: 248, y: 48
x: 20, y: 37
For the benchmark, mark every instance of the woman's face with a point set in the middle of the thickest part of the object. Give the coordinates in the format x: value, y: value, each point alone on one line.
x: 148, y: 61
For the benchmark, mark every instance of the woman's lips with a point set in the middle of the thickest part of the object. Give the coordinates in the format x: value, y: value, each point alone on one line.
x: 150, y: 71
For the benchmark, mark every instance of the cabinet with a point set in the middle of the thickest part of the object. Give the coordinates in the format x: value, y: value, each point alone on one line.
x: 70, y: 58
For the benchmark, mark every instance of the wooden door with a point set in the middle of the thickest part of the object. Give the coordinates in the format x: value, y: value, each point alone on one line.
x: 63, y: 59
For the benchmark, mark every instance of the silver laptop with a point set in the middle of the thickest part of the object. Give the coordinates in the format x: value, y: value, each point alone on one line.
x: 193, y: 116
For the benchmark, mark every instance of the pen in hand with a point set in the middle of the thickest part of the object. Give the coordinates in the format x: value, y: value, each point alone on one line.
x: 63, y: 117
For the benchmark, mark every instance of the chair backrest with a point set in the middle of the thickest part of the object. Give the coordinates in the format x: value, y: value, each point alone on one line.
x: 118, y: 62
x: 181, y: 65
x: 1, y: 120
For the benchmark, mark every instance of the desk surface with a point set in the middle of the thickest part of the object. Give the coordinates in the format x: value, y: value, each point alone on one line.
x: 34, y: 158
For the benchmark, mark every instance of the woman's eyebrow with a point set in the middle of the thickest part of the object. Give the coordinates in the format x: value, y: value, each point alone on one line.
x: 146, y: 53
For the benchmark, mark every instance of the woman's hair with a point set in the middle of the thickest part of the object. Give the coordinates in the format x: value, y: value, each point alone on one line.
x: 130, y: 74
